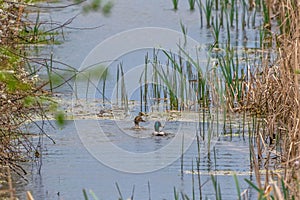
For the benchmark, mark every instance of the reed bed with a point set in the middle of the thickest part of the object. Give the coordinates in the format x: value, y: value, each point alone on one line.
x: 267, y: 92
x: 274, y: 97
x: 262, y: 85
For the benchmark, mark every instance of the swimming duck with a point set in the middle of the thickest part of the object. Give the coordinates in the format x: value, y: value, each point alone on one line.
x: 139, y: 119
x: 157, y: 132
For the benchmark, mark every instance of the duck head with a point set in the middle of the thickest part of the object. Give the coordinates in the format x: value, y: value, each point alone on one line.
x: 157, y: 125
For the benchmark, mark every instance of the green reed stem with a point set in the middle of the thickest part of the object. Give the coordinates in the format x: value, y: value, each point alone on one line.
x: 118, y: 78
x: 87, y: 87
x: 199, y: 3
x: 124, y: 98
x: 192, y: 4
x: 119, y: 191
x: 184, y: 31
x: 208, y: 11
x: 232, y: 13
x: 237, y: 185
x: 104, y: 77
x: 175, y: 4
x: 216, y: 31
x: 145, y: 83
x: 182, y: 154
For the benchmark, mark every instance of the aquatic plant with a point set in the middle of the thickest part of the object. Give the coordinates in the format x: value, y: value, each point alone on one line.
x: 192, y: 4
x: 208, y: 11
x: 124, y: 98
x: 216, y: 31
x: 96, y: 5
x: 183, y: 30
x: 231, y: 12
x: 199, y: 4
x: 266, y: 14
x: 175, y: 4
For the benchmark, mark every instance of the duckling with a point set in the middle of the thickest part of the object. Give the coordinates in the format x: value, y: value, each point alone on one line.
x: 139, y: 119
x: 157, y: 132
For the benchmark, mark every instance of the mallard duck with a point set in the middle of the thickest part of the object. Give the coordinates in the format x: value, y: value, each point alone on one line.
x: 139, y: 119
x: 158, y: 132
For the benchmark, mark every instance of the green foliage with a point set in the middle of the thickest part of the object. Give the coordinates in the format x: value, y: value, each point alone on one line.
x: 97, y: 5
x: 216, y: 31
x: 192, y: 4
x: 260, y: 191
x: 237, y: 185
x: 85, y: 195
x: 107, y: 8
x: 12, y: 82
x: 208, y: 11
x: 96, y: 72
x: 29, y: 101
x: 175, y: 4
x: 60, y: 118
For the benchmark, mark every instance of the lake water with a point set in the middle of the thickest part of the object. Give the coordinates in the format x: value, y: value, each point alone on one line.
x: 100, y: 155
x: 68, y: 167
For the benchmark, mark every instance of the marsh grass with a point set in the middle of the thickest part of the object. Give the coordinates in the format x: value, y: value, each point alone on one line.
x: 175, y: 4
x: 275, y: 99
x: 271, y: 96
x: 183, y: 30
x: 208, y: 11
x: 192, y: 4
x: 124, y: 97
x: 216, y: 31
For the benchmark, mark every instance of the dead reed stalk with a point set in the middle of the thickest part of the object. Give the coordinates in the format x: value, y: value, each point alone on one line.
x: 274, y: 95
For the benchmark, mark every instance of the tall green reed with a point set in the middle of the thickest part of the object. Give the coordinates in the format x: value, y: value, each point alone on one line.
x: 124, y: 98
x: 192, y: 4
x: 216, y: 31
x: 199, y: 4
x: 217, y: 188
x: 231, y: 13
x: 184, y: 31
x: 175, y: 4
x: 104, y: 76
x: 208, y: 11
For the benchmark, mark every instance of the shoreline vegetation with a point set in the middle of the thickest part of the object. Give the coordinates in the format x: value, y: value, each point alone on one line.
x: 269, y: 97
x: 22, y: 95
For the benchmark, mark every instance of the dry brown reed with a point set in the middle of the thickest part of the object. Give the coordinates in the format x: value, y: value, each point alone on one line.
x: 273, y: 97
x: 8, y: 191
x: 21, y: 93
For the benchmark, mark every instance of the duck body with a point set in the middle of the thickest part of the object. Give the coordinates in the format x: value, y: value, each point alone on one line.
x: 157, y: 131
x: 139, y: 119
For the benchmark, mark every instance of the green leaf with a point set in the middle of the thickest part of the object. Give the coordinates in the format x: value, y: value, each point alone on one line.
x: 107, y: 8
x: 28, y: 101
x: 60, y: 118
x: 85, y: 194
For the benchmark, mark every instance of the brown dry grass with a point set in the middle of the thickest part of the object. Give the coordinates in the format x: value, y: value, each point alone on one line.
x: 274, y: 96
